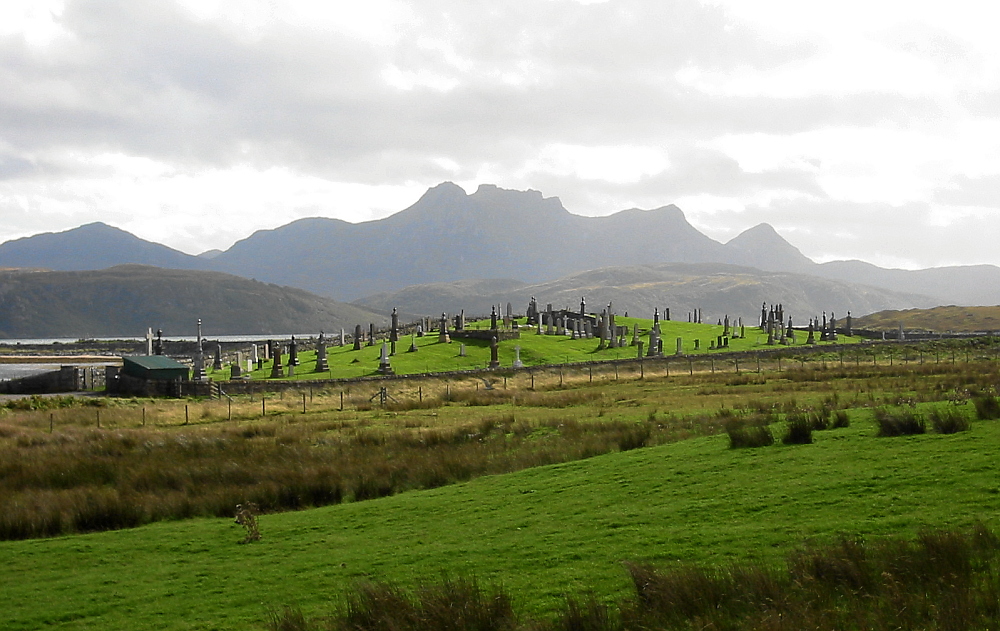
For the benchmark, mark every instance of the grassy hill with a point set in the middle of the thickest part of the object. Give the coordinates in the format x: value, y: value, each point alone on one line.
x: 939, y: 319
x: 545, y: 532
x: 127, y: 299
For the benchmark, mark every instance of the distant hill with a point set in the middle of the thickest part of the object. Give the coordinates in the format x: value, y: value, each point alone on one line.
x: 449, y: 235
x: 125, y: 300
x: 91, y: 247
x: 939, y: 319
x: 716, y: 289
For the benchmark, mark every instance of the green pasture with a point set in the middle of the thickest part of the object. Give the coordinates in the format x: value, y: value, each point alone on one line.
x: 536, y: 350
x: 543, y: 533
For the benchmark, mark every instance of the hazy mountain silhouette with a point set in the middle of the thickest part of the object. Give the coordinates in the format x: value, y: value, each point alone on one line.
x: 448, y: 235
x: 91, y: 247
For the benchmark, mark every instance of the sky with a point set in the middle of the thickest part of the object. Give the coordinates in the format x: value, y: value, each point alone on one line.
x: 866, y: 130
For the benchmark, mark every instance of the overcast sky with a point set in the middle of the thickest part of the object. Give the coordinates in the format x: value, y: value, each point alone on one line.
x: 857, y: 129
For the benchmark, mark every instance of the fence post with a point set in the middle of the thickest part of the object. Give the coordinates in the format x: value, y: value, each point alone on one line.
x: 230, y: 402
x: 341, y: 400
x: 186, y: 415
x: 303, y: 402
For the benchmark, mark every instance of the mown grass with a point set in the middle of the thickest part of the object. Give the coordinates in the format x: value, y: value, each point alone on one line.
x: 536, y: 350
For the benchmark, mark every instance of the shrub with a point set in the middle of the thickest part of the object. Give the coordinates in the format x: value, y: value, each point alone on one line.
x: 987, y: 407
x: 798, y: 431
x: 840, y: 419
x: 748, y: 434
x: 899, y: 422
x: 949, y: 421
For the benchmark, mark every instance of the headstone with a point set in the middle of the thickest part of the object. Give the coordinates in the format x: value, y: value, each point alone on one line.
x: 833, y: 328
x: 291, y: 369
x: 158, y: 344
x: 510, y: 311
x: 666, y: 314
x: 654, y: 337
x: 680, y: 346
x: 371, y: 334
x: 236, y: 371
x: 461, y: 320
x: 342, y: 337
x: 149, y: 341
x: 725, y: 326
x: 461, y: 350
x: 900, y: 336
x: 763, y: 316
x: 253, y: 354
x: 394, y: 326
x: 199, y: 358
x: 612, y: 328
x: 413, y: 344
x: 588, y: 328
x: 850, y: 331
x: 494, y: 353
x: 697, y: 345
x: 583, y: 306
x: 293, y: 352
x: 493, y: 318
x: 443, y: 330
x: 217, y: 362
x: 276, y: 367
x: 639, y: 346
x: 322, y: 365
x: 357, y: 337
x: 812, y: 333
x: 383, y: 361
x: 517, y: 358
x: 420, y: 330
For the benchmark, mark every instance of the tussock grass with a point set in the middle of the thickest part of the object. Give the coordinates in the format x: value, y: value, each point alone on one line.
x: 944, y: 579
x: 899, y: 422
x: 752, y: 432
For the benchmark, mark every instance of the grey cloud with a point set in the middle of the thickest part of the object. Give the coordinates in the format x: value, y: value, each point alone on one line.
x: 971, y: 191
x: 145, y: 78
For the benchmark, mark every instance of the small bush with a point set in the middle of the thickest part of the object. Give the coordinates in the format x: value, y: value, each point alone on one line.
x: 949, y: 421
x: 748, y: 434
x: 899, y: 422
x: 798, y: 431
x: 840, y: 419
x: 987, y: 407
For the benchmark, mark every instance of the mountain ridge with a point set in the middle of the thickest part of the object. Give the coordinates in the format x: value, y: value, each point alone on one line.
x: 449, y: 235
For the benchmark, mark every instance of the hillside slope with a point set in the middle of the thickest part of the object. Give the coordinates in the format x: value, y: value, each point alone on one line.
x: 941, y: 319
x: 126, y: 300
x: 715, y: 288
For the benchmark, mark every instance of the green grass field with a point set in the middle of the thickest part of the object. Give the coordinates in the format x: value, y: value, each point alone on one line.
x: 536, y: 350
x: 544, y: 533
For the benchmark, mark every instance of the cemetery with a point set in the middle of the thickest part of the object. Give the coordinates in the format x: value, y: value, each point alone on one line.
x: 452, y: 344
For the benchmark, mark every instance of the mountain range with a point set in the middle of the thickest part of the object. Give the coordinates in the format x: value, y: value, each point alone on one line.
x: 449, y: 236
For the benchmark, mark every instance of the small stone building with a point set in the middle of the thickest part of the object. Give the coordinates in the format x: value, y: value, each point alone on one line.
x: 148, y: 375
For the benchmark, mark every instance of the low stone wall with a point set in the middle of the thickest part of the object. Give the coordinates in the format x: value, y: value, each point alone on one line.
x: 484, y: 334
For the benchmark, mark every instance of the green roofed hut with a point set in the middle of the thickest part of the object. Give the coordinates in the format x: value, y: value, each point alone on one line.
x: 154, y: 368
x: 148, y: 375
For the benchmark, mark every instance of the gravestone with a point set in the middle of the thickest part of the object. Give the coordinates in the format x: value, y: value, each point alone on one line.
x: 276, y: 367
x: 394, y: 326
x: 420, y: 330
x: 697, y: 345
x: 588, y: 329
x: 517, y: 358
x: 158, y: 344
x: 443, y: 330
x: 639, y: 352
x: 357, y: 337
x: 253, y: 354
x: 849, y: 331
x: 635, y: 334
x: 833, y: 328
x: 383, y: 361
x: 680, y: 346
x: 149, y: 341
x: 812, y: 333
x: 236, y: 371
x: 199, y: 358
x: 371, y: 334
x: 493, y: 318
x: 217, y: 363
x: 494, y: 353
x: 654, y: 336
x: 666, y: 314
x: 461, y: 350
x: 293, y: 352
x: 322, y: 365
x: 725, y: 325
x: 342, y: 337
x: 413, y: 344
x: 461, y: 320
